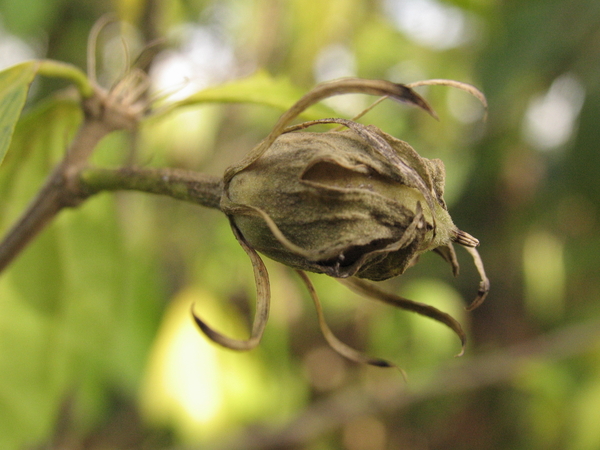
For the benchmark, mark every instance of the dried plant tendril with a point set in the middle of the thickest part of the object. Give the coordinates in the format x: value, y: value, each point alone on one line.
x: 263, y: 298
x: 458, y: 85
x: 331, y: 339
x: 370, y: 290
x: 322, y: 91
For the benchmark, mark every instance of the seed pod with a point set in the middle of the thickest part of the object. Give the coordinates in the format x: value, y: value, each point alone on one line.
x: 357, y: 202
x: 351, y: 204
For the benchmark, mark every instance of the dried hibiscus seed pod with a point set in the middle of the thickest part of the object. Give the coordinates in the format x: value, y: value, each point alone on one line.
x: 335, y: 203
x: 355, y: 204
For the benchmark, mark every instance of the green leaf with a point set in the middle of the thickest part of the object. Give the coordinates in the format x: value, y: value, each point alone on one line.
x: 259, y: 88
x: 14, y: 86
x: 73, y: 324
x: 38, y: 142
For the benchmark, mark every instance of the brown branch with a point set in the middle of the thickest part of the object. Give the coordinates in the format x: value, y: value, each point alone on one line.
x: 64, y: 190
x: 56, y: 193
x: 104, y: 112
x: 194, y: 187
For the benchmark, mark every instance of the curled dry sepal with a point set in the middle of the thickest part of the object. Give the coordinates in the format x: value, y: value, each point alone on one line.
x: 356, y: 205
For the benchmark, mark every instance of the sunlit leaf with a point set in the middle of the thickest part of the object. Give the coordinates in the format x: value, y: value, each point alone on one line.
x: 259, y: 88
x: 14, y: 86
x: 198, y: 389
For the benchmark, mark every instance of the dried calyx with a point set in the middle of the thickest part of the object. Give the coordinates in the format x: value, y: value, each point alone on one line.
x: 355, y: 204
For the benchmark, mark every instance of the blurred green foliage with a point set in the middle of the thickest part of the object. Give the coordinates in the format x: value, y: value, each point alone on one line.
x: 96, y: 349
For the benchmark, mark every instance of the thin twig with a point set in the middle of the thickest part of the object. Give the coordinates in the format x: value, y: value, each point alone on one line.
x: 56, y: 194
x: 186, y: 185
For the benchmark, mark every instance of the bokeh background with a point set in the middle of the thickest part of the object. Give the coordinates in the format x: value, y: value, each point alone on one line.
x: 97, y: 346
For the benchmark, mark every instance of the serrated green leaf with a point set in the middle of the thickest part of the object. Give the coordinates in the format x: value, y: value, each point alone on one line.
x: 14, y: 86
x: 259, y: 88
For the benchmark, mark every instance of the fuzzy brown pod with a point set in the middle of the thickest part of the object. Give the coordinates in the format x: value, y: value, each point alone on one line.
x: 334, y: 203
x: 356, y: 205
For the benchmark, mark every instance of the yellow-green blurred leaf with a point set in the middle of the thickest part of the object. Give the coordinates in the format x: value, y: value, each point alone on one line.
x: 259, y: 88
x: 39, y: 139
x: 14, y: 86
